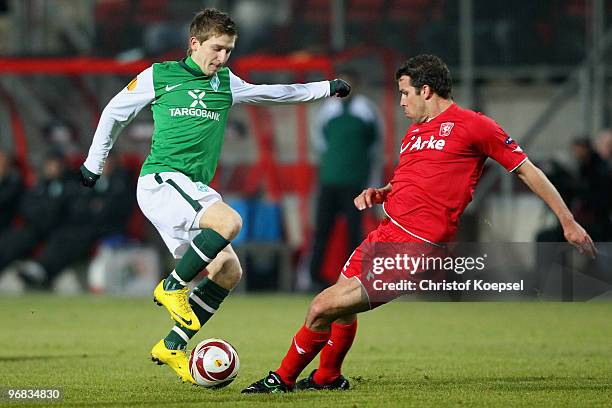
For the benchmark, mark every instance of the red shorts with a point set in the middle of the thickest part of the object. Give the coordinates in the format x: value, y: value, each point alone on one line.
x: 388, y: 260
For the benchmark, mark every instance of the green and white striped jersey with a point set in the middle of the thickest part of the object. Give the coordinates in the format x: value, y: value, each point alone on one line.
x: 190, y: 112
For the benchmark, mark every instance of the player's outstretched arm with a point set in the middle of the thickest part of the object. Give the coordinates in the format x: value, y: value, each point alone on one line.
x: 244, y: 92
x: 371, y: 196
x: 535, y: 179
x: 117, y: 114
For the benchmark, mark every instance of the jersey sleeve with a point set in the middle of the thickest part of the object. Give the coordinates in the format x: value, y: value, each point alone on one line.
x: 117, y: 115
x: 492, y: 141
x: 243, y: 92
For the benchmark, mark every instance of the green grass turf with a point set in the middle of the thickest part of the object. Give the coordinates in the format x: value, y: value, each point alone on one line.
x: 406, y: 353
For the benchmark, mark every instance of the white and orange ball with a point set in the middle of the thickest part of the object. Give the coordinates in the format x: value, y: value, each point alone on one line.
x: 214, y: 363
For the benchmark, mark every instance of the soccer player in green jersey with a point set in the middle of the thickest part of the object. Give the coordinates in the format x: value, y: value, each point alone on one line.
x: 190, y: 100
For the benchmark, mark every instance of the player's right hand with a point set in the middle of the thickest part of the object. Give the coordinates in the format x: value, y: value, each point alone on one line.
x: 339, y: 88
x: 579, y: 238
x: 369, y: 197
x: 87, y: 178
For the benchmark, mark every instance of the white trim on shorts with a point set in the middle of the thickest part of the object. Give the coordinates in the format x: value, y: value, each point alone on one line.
x: 408, y: 232
x: 356, y: 277
x: 362, y: 285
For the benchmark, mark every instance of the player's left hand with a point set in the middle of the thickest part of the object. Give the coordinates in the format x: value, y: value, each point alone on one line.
x: 369, y: 197
x: 578, y: 237
x: 87, y: 178
x: 339, y: 88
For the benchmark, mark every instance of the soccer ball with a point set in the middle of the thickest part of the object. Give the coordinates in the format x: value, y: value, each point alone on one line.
x: 214, y: 363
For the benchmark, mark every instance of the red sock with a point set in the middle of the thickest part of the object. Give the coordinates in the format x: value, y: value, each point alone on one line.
x: 305, y: 346
x: 332, y: 356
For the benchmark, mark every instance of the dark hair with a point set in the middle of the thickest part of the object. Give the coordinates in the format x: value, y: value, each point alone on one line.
x: 583, y: 141
x: 54, y: 153
x: 211, y: 22
x: 427, y: 70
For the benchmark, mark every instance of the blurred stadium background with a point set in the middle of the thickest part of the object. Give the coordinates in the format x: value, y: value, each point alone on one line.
x: 541, y: 68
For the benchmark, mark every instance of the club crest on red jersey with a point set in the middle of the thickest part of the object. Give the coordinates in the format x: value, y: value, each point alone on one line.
x: 446, y: 128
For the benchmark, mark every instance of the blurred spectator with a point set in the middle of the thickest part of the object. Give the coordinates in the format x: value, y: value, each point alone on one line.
x: 11, y: 187
x: 42, y: 209
x: 164, y: 37
x: 588, y: 193
x: 257, y: 20
x: 95, y: 213
x: 603, y: 145
x: 347, y: 138
x: 593, y: 199
x: 62, y: 137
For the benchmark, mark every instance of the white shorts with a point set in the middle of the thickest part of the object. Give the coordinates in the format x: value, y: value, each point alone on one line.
x: 174, y: 204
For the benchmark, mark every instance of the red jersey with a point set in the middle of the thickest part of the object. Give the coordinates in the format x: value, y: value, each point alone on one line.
x: 439, y: 165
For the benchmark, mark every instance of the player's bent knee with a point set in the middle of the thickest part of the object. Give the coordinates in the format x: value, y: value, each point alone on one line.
x: 234, y: 225
x: 230, y: 228
x: 223, y: 219
x: 230, y: 225
x: 318, y: 312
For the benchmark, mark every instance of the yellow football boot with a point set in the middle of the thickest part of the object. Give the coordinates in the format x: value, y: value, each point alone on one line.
x: 177, y: 303
x: 178, y: 360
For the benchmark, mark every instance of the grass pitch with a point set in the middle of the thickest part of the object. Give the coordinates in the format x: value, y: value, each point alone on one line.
x: 406, y: 353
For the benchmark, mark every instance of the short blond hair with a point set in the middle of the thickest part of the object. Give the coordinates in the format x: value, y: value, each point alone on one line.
x: 211, y: 22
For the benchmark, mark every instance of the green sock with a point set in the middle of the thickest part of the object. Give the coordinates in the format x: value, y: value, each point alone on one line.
x: 175, y: 339
x: 174, y: 282
x: 204, y: 300
x: 202, y: 250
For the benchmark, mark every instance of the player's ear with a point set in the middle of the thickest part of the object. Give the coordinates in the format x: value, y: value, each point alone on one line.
x: 193, y: 43
x: 427, y: 92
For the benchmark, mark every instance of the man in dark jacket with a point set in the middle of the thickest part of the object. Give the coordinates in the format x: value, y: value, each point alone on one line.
x: 95, y: 213
x: 11, y: 188
x: 42, y: 209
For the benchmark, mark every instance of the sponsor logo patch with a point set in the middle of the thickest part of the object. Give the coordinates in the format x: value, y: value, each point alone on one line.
x: 197, y: 96
x: 202, y: 187
x: 215, y: 82
x: 169, y: 88
x: 446, y: 128
x: 418, y: 144
x: 132, y: 84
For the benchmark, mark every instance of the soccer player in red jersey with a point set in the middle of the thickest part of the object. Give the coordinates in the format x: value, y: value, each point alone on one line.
x: 440, y: 161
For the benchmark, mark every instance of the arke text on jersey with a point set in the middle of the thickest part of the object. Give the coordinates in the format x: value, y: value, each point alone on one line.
x: 416, y: 143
